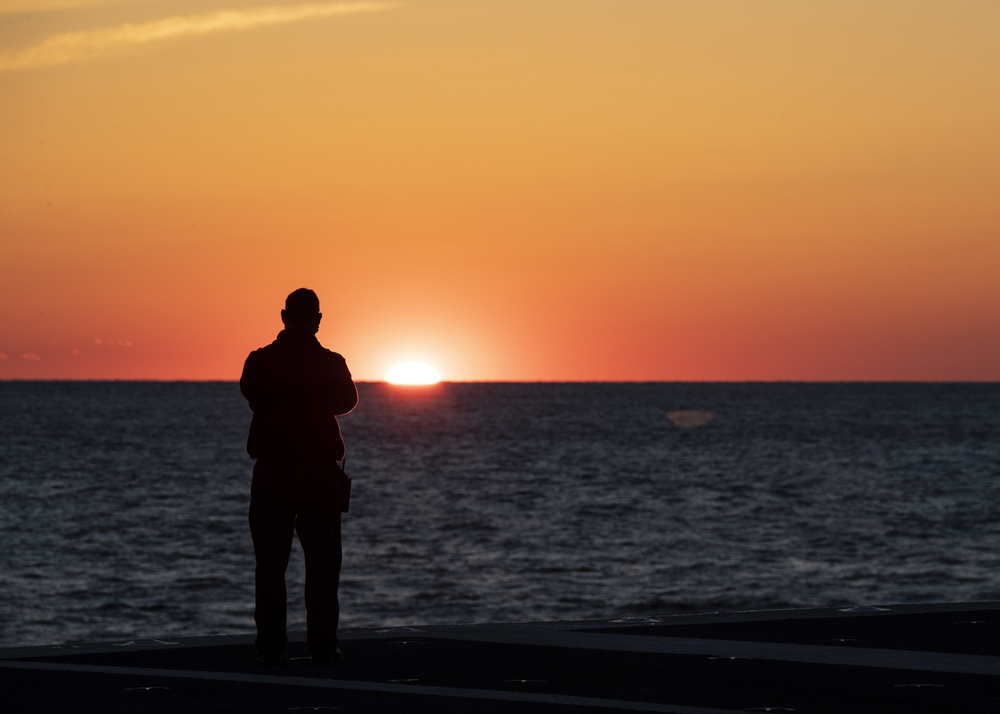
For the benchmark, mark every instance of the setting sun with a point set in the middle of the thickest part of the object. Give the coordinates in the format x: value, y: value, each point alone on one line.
x: 413, y: 373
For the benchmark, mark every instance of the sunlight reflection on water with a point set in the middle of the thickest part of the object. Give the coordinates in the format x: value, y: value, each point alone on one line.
x: 690, y: 418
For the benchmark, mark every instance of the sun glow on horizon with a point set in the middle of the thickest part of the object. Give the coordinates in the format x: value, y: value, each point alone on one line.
x: 413, y: 373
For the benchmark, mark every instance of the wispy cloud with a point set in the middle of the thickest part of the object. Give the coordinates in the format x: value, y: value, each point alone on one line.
x: 71, y: 47
x: 23, y: 7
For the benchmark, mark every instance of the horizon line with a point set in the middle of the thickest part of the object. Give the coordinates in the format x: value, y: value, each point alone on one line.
x: 525, y: 381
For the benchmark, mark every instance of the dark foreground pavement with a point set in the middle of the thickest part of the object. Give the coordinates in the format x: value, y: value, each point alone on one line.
x: 906, y: 659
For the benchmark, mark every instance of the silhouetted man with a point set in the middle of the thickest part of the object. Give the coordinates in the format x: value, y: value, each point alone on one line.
x: 296, y: 388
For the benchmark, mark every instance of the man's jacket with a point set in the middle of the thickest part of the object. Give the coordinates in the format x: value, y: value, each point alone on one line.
x: 296, y: 389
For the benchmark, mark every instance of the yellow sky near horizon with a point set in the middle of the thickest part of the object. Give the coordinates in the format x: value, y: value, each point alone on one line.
x: 516, y: 190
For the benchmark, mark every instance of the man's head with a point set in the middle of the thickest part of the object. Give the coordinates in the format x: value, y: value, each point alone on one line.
x: 302, y: 311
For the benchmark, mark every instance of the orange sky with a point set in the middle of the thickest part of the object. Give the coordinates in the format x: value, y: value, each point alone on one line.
x: 506, y: 189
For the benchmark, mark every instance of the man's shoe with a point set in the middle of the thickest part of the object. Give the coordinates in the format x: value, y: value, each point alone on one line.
x: 267, y: 659
x: 336, y: 658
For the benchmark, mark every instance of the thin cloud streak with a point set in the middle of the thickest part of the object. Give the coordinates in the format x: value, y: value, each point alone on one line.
x: 70, y: 47
x: 27, y: 7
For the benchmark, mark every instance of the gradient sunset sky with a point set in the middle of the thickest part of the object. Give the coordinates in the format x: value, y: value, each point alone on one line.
x: 506, y: 189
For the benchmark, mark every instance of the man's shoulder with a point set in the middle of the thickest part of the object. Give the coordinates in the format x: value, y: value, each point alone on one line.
x: 261, y: 351
x: 334, y: 359
x: 330, y: 353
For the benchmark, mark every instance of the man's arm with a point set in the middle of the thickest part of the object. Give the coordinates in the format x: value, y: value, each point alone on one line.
x: 248, y: 381
x: 343, y: 392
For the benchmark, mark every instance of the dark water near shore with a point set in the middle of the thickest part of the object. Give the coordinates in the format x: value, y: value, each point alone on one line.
x: 123, y: 505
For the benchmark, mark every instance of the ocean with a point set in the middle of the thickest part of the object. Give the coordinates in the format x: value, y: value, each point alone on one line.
x: 123, y: 504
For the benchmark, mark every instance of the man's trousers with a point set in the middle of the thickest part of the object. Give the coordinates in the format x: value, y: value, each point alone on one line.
x: 286, y: 497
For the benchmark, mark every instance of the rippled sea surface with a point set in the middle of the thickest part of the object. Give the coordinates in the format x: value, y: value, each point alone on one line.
x: 123, y: 504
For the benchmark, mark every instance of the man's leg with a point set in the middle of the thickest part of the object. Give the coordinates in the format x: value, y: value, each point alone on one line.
x: 319, y: 534
x: 272, y: 523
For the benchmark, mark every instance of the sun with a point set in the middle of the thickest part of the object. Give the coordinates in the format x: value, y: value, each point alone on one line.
x: 413, y: 373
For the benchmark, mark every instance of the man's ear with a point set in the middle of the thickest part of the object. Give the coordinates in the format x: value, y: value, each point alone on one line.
x: 284, y: 318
